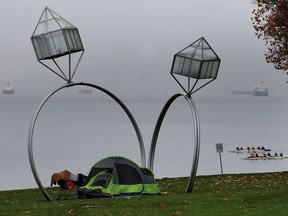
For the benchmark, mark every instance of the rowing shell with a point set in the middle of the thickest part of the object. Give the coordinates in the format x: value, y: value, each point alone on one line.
x: 247, y: 151
x: 264, y: 158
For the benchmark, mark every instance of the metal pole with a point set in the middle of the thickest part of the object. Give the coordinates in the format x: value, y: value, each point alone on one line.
x: 33, y: 122
x: 221, y: 162
x: 196, y: 122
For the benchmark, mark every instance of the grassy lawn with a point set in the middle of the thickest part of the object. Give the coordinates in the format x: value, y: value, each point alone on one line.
x: 242, y: 194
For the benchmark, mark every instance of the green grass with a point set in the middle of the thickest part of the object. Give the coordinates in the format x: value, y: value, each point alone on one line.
x: 242, y: 194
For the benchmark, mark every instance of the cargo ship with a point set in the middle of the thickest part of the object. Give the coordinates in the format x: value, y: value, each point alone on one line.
x: 260, y: 90
x: 8, y: 89
x: 241, y: 92
x: 85, y: 90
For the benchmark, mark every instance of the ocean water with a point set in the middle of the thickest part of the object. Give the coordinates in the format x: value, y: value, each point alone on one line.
x: 75, y: 131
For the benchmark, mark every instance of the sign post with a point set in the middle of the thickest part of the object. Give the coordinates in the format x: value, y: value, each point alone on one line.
x: 219, y: 149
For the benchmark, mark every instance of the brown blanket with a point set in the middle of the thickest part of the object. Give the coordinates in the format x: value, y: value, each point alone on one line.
x: 64, y: 175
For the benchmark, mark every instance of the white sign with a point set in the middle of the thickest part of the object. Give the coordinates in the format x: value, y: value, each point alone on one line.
x: 219, y: 147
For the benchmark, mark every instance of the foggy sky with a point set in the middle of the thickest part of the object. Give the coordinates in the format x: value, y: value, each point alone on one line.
x: 129, y: 44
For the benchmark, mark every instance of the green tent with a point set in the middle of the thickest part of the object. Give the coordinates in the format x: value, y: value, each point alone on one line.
x: 118, y: 176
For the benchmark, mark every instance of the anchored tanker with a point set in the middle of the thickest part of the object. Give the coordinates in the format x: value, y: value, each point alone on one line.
x: 241, y: 92
x: 260, y: 90
x: 8, y: 89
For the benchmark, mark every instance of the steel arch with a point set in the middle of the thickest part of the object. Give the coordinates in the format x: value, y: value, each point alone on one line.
x: 33, y: 122
x: 196, y: 137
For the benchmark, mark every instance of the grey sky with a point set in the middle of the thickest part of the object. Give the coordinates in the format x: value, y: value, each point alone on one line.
x: 129, y: 44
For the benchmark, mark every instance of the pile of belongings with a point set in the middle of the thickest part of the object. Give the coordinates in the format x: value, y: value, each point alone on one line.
x: 64, y: 177
x: 111, y: 177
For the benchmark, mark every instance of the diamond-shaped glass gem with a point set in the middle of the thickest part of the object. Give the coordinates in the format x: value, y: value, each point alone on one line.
x: 54, y: 36
x: 198, y: 60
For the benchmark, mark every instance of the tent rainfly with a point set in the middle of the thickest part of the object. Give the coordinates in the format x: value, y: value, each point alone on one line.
x: 117, y: 176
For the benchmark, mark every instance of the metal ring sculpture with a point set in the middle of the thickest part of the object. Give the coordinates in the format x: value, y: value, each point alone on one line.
x: 32, y: 125
x: 196, y: 138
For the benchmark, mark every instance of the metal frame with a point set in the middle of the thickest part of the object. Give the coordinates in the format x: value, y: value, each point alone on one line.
x: 191, y: 90
x: 196, y: 137
x: 63, y: 76
x: 33, y: 122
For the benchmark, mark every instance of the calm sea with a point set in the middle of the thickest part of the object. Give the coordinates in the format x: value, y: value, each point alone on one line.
x: 74, y: 132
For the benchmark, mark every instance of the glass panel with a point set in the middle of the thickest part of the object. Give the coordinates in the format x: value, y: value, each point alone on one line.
x: 74, y: 44
x: 45, y: 46
x: 215, y: 69
x: 46, y: 26
x: 178, y: 65
x: 59, y: 43
x: 204, y: 70
x: 78, y: 40
x: 37, y: 48
x: 50, y: 22
x: 64, y: 23
x: 186, y: 67
x: 49, y: 45
x: 73, y: 39
x: 195, y: 66
x: 209, y: 54
x: 42, y: 47
x: 209, y: 70
x: 69, y: 38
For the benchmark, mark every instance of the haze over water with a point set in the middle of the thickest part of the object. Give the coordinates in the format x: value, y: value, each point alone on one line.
x: 74, y: 132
